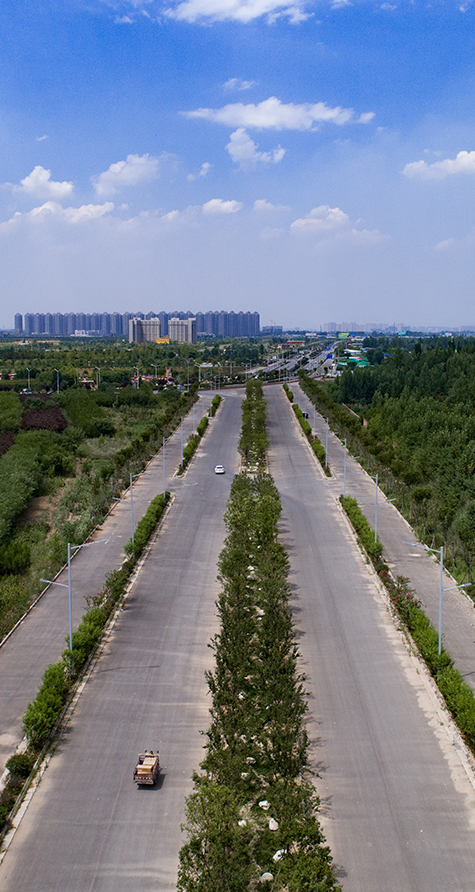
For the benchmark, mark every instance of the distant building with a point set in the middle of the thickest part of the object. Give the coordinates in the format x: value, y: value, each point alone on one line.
x: 213, y: 324
x: 272, y: 330
x: 182, y: 330
x: 141, y: 330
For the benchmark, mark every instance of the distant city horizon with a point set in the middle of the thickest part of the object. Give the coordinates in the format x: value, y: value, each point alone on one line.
x: 209, y: 324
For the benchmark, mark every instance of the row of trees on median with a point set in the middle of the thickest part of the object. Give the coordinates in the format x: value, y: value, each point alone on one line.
x: 251, y: 820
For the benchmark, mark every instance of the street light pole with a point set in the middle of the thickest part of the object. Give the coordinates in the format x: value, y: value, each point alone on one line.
x: 57, y: 380
x: 344, y: 472
x: 29, y: 387
x: 164, y: 478
x: 441, y: 582
x: 68, y: 585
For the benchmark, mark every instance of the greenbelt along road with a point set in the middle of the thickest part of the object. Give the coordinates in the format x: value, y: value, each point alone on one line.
x: 398, y: 802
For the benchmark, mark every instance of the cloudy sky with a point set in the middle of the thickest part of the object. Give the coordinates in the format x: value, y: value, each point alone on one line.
x: 313, y: 161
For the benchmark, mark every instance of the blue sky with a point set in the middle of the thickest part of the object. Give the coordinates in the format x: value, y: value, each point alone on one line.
x: 314, y: 161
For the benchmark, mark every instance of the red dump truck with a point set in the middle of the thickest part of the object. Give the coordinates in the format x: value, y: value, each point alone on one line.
x: 147, y: 768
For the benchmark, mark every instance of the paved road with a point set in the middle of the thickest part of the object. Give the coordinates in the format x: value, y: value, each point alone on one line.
x: 398, y: 807
x: 458, y: 617
x: 39, y: 640
x: 88, y: 826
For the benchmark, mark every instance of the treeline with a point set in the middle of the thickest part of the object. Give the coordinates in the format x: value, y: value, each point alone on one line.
x: 251, y: 820
x: 420, y: 438
x: 253, y: 441
x: 317, y: 447
x: 40, y: 462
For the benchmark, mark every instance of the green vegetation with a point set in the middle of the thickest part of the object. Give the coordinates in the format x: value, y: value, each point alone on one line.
x: 11, y: 411
x: 253, y: 441
x: 363, y: 530
x: 44, y: 712
x: 251, y: 818
x: 73, y: 470
x: 314, y: 441
x: 193, y: 441
x: 215, y: 405
x: 288, y: 392
x: 458, y: 696
x: 416, y: 428
x: 146, y: 526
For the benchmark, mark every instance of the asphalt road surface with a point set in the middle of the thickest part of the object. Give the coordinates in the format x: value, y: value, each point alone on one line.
x: 89, y: 827
x: 40, y: 639
x: 419, y: 566
x: 398, y: 805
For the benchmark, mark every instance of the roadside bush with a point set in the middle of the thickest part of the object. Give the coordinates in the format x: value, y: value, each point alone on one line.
x: 202, y: 425
x: 289, y: 392
x: 363, y: 530
x: 217, y: 400
x: 146, y: 525
x: 317, y: 447
x: 42, y: 713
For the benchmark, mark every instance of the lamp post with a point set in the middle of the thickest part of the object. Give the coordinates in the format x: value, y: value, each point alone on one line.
x: 164, y: 478
x: 68, y: 584
x: 326, y: 444
x: 376, y: 507
x: 57, y: 380
x: 440, y: 551
x: 29, y: 388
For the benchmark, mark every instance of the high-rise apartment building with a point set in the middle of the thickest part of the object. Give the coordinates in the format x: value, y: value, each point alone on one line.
x: 215, y: 324
x: 141, y: 330
x: 183, y: 330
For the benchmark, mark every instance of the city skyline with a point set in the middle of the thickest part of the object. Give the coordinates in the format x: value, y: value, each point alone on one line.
x: 312, y: 160
x: 211, y: 323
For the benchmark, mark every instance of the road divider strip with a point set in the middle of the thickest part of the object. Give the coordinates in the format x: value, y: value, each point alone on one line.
x: 251, y: 820
x: 44, y: 714
x: 457, y: 695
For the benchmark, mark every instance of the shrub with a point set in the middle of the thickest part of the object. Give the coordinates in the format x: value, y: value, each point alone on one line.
x: 362, y: 528
x: 42, y: 713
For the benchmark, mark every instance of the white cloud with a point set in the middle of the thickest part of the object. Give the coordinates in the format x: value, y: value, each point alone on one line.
x: 365, y: 118
x: 261, y: 204
x: 321, y: 219
x: 41, y: 138
x: 272, y: 114
x: 74, y: 215
x: 237, y: 10
x: 445, y: 245
x: 244, y: 151
x: 204, y: 171
x: 51, y: 209
x: 134, y: 170
x: 39, y: 184
x: 235, y: 83
x: 464, y: 162
x: 218, y: 206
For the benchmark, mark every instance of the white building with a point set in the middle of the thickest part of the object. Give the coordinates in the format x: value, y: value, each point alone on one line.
x: 183, y: 330
x: 141, y: 330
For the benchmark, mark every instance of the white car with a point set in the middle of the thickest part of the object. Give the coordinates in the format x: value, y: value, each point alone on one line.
x: 219, y: 469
